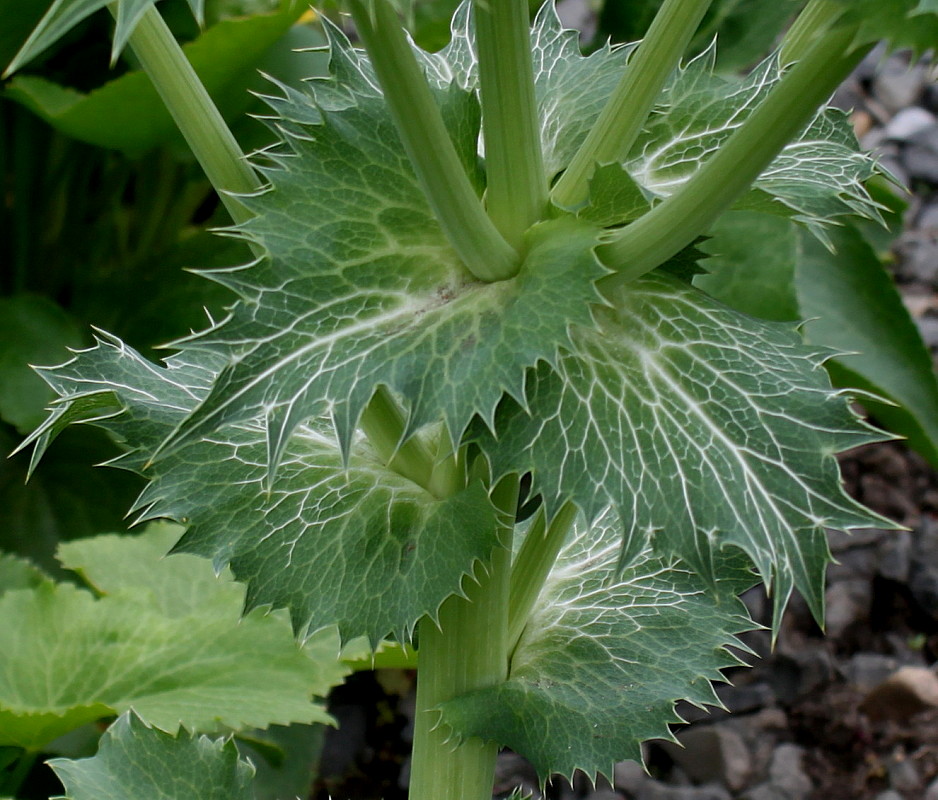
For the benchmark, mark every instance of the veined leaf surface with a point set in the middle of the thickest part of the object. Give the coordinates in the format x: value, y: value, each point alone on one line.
x: 70, y: 659
x: 136, y: 761
x: 767, y: 267
x: 701, y: 426
x: 346, y: 543
x: 605, y: 655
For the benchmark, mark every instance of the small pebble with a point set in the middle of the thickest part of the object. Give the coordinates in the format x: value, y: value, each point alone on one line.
x: 905, y: 693
x: 786, y: 772
x: 897, y: 86
x: 909, y: 122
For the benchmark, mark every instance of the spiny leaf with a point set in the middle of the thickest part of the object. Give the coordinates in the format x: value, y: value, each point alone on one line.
x: 365, y: 291
x: 702, y: 427
x: 63, y: 15
x: 767, y: 267
x: 816, y: 177
x: 605, y: 655
x: 346, y: 543
x: 135, y: 761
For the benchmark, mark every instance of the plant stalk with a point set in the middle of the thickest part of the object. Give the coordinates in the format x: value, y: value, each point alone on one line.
x: 621, y: 120
x: 816, y: 18
x: 533, y: 564
x: 419, y: 123
x: 194, y: 112
x: 468, y: 650
x: 688, y: 213
x: 516, y: 184
x: 383, y: 423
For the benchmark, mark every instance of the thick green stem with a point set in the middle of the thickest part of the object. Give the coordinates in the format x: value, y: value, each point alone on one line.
x: 621, y: 121
x: 420, y: 125
x: 468, y: 650
x: 680, y: 219
x: 195, y: 114
x: 815, y: 20
x: 383, y: 424
x: 532, y: 565
x: 516, y: 184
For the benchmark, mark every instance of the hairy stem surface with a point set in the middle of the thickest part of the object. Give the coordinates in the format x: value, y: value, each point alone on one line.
x: 419, y: 123
x: 621, y: 120
x: 516, y: 193
x: 680, y: 219
x: 468, y: 650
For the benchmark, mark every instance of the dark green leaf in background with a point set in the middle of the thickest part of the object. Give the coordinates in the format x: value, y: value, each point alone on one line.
x: 33, y: 331
x: 127, y: 114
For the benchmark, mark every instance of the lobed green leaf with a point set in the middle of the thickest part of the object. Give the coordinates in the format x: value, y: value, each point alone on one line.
x: 153, y: 641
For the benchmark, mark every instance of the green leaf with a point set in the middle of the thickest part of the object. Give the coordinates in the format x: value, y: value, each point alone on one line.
x: 368, y: 292
x: 902, y: 23
x: 852, y: 305
x: 135, y: 761
x: 127, y: 114
x: 66, y: 498
x: 605, y: 655
x: 150, y: 646
x: 18, y: 573
x: 614, y: 197
x: 349, y: 543
x: 817, y: 176
x: 33, y: 330
x: 751, y: 264
x: 63, y: 15
x: 292, y: 773
x: 701, y: 426
x: 175, y: 585
x: 769, y: 268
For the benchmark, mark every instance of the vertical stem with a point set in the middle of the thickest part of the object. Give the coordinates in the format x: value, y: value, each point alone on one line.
x: 665, y: 230
x: 419, y: 123
x: 383, y: 423
x: 810, y: 23
x: 516, y: 193
x: 195, y: 114
x: 621, y: 121
x: 468, y: 650
x: 532, y: 565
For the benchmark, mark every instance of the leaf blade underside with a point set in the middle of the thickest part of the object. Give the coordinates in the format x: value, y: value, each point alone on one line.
x: 605, y: 655
x: 703, y: 427
x: 339, y: 541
